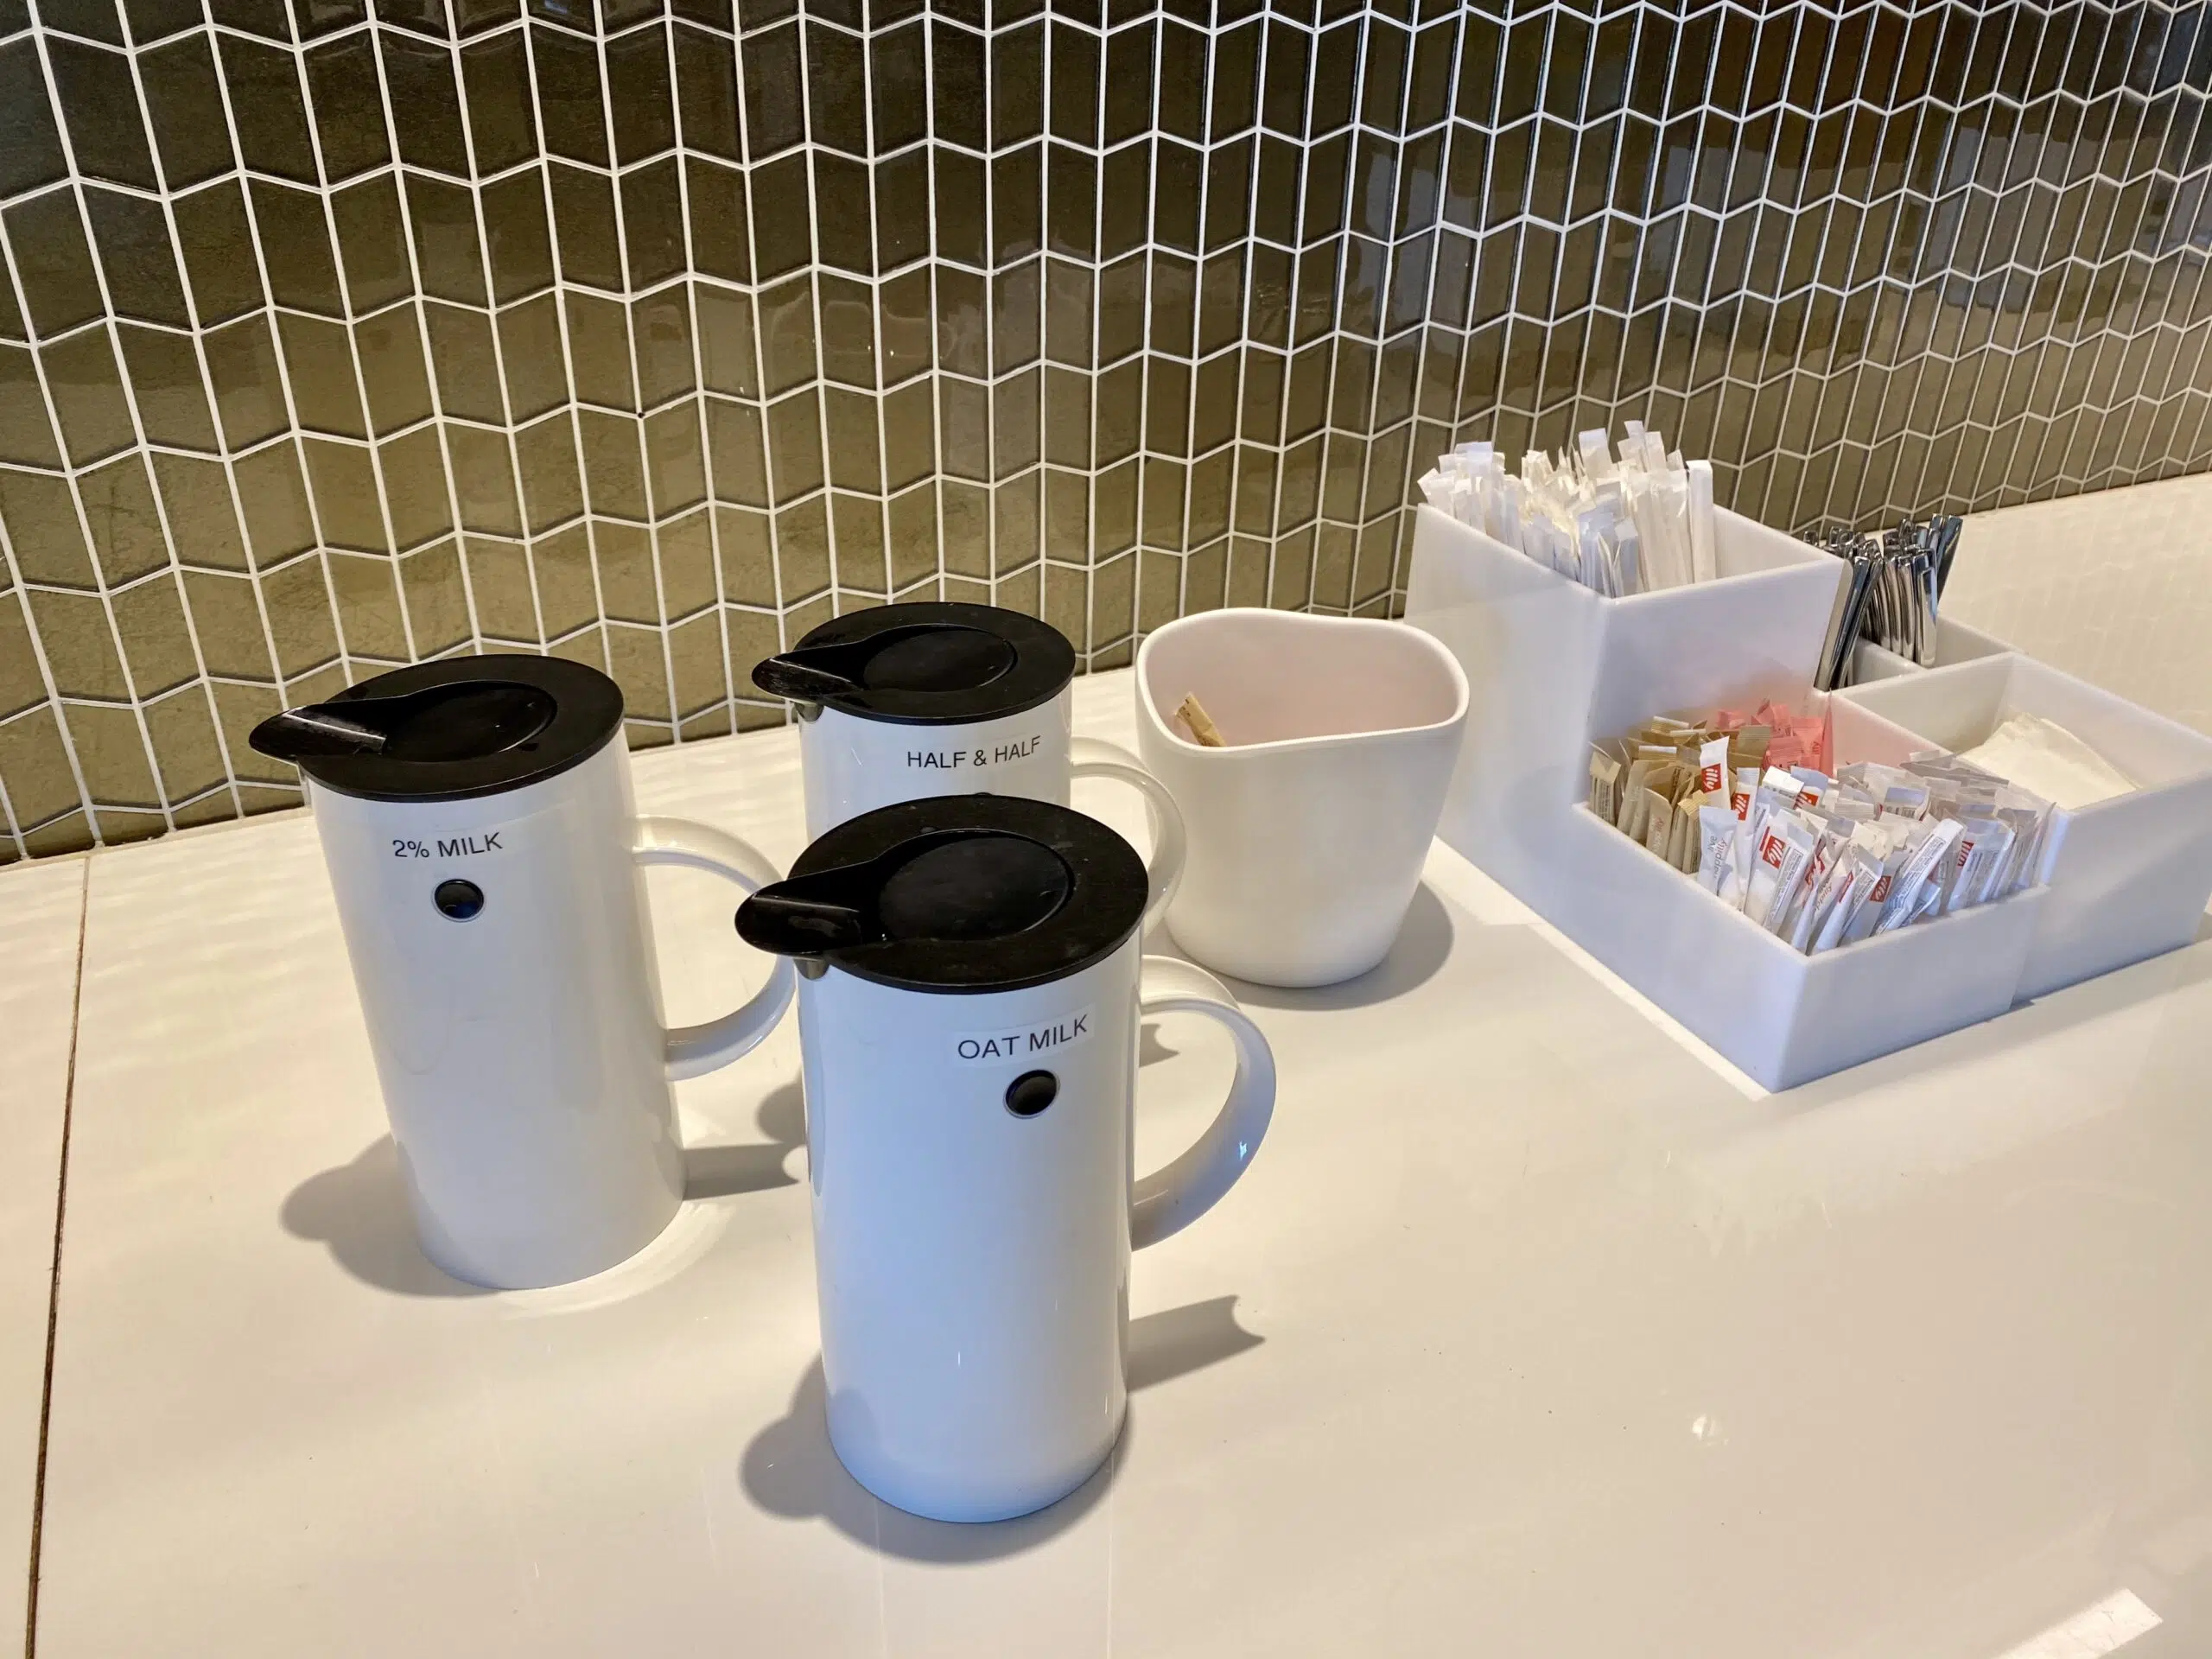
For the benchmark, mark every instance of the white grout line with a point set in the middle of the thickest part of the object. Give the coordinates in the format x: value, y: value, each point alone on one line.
x: 691, y: 280
x: 990, y: 264
x: 2089, y: 431
x: 1093, y: 155
x: 269, y: 308
x: 934, y: 265
x: 758, y: 344
x: 1884, y: 287
x: 566, y: 411
x: 629, y: 294
x: 1798, y: 513
x: 418, y: 304
x: 878, y: 386
x: 1340, y: 241
x: 817, y: 382
x: 174, y: 570
x: 1436, y: 234
x: 71, y: 471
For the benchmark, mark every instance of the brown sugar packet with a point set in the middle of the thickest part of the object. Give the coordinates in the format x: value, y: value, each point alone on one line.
x: 1193, y: 715
x: 1605, y: 768
x: 1684, y: 848
x: 1684, y: 798
x: 1643, y: 762
x: 1653, y: 789
x: 1658, y: 824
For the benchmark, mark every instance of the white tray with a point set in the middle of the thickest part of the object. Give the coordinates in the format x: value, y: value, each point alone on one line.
x: 2128, y: 877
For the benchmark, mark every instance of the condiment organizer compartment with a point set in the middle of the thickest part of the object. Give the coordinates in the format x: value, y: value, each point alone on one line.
x: 2128, y: 877
x: 1781, y: 1016
x: 1533, y: 644
x: 1954, y: 643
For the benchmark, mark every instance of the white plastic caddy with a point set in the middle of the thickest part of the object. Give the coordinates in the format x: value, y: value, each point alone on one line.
x: 1551, y: 666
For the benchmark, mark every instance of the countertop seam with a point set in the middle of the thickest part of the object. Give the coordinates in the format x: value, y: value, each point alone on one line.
x: 53, y: 1293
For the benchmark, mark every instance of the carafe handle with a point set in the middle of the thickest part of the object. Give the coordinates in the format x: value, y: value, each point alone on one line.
x: 693, y: 1050
x: 1170, y: 1199
x: 1088, y: 757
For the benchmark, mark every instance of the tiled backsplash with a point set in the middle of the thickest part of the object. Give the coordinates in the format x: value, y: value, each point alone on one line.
x: 656, y: 336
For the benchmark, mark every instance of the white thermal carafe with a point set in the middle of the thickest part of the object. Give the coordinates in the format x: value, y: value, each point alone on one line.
x: 971, y: 987
x: 898, y: 702
x: 486, y: 852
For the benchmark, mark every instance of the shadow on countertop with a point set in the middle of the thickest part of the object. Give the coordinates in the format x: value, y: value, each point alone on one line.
x: 791, y: 1470
x: 360, y: 1211
x: 1423, y: 945
x: 751, y: 1165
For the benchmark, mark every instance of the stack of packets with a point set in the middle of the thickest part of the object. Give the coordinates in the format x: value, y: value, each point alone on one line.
x: 1744, y: 805
x: 1620, y: 523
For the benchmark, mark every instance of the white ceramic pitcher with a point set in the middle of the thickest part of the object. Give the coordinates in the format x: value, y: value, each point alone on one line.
x: 969, y: 1011
x: 900, y: 702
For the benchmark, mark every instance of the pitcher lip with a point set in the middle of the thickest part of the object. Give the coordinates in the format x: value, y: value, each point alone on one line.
x: 1298, y: 619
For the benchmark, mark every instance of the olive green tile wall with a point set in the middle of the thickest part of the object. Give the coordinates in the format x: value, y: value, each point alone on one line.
x: 653, y: 334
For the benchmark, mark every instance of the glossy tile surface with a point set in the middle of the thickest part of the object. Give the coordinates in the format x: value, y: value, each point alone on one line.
x: 1533, y: 1331
x: 654, y: 332
x: 41, y: 908
x: 2116, y: 588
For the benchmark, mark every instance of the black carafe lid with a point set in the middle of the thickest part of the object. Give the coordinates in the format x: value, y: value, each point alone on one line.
x: 449, y: 730
x: 924, y: 664
x: 957, y: 893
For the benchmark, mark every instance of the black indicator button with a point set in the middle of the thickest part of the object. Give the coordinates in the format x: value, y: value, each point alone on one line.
x: 1031, y: 1093
x: 460, y: 900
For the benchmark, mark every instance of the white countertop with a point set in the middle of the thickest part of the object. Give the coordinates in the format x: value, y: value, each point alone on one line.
x: 1533, y: 1331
